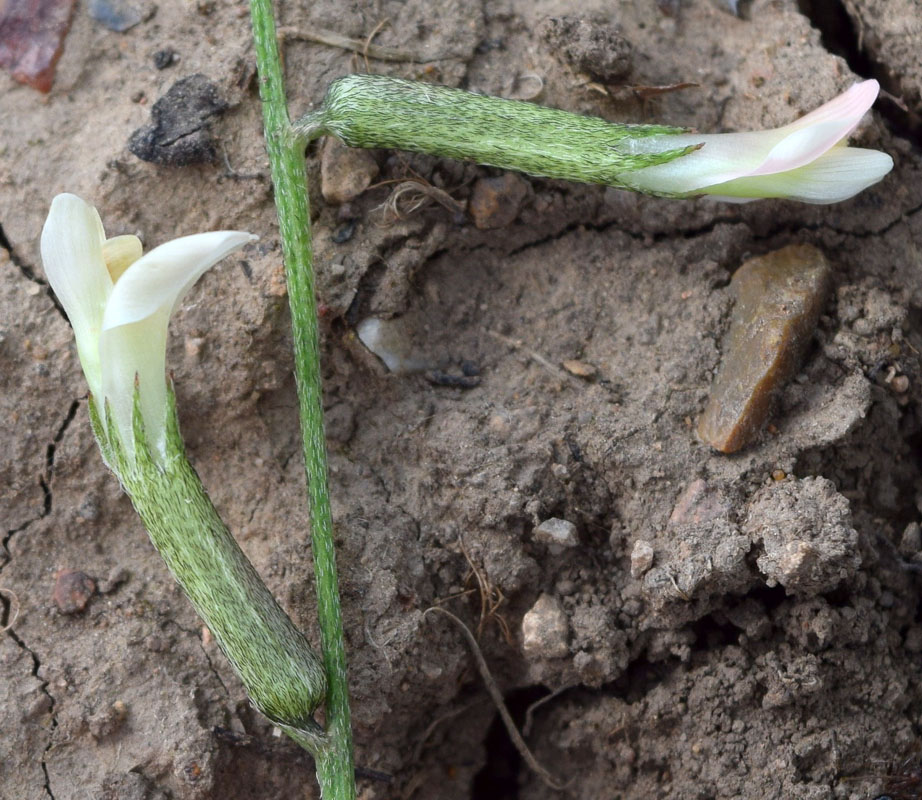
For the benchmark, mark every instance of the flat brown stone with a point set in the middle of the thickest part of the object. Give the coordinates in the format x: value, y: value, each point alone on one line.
x: 779, y: 297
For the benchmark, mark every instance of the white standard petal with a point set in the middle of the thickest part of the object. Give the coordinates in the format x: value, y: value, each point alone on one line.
x: 72, y: 241
x: 160, y: 279
x: 133, y: 340
x: 835, y: 176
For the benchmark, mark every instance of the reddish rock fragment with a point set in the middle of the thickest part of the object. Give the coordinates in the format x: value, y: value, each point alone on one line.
x: 779, y: 298
x: 72, y: 590
x: 32, y: 39
x: 496, y: 202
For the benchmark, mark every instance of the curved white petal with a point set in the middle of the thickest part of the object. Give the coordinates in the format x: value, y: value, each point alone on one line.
x: 836, y: 175
x: 137, y: 350
x: 160, y: 279
x: 72, y: 241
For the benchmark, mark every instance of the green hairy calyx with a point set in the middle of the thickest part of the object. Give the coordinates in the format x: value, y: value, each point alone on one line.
x: 282, y: 675
x: 375, y: 111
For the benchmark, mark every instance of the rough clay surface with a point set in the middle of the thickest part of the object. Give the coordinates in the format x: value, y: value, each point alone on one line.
x: 762, y: 642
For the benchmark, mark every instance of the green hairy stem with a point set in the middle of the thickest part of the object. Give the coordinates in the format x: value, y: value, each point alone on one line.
x: 335, y: 771
x: 376, y: 111
x: 282, y: 675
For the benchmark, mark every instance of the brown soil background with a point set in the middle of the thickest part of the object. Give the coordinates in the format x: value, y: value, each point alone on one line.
x: 704, y: 678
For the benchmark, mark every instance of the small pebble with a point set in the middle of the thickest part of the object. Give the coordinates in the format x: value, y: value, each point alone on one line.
x: 900, y: 384
x: 121, y: 15
x: 580, y: 368
x: 344, y: 232
x: 496, y: 202
x: 438, y: 377
x: 345, y: 172
x: 545, y: 630
x: 389, y: 340
x: 39, y: 706
x: 107, y: 721
x: 72, y: 590
x: 779, y: 297
x: 911, y: 540
x: 557, y: 534
x: 165, y: 58
x: 913, y: 641
x: 698, y: 503
x: 641, y: 558
x: 116, y: 577
x: 193, y: 347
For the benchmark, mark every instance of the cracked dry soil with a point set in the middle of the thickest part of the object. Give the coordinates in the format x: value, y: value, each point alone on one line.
x: 717, y: 673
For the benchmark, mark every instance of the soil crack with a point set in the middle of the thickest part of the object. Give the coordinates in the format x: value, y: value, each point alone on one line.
x: 43, y: 688
x: 44, y: 481
x: 27, y: 271
x: 5, y: 553
x: 196, y: 635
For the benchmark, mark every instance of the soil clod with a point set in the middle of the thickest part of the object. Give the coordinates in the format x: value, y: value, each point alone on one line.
x: 180, y: 130
x: 72, y: 591
x: 597, y: 48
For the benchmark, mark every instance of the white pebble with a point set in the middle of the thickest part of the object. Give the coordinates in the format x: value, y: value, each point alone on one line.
x: 557, y: 534
x: 641, y: 558
x: 545, y: 630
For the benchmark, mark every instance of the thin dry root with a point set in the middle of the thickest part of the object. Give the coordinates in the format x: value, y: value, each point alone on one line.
x: 497, y: 697
x: 415, y: 194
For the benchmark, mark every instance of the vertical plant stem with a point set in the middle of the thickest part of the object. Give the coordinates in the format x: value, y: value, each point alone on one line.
x: 335, y: 770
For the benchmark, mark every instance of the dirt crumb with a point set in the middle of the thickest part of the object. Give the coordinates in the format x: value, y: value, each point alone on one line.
x: 595, y: 47
x: 805, y: 527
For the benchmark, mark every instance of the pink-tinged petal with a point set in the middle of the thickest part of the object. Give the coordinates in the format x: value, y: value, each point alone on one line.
x: 812, y: 135
x: 160, y: 279
x: 848, y: 108
x: 732, y: 157
x: 836, y: 175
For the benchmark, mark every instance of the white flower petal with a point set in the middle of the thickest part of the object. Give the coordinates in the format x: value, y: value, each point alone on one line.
x: 724, y: 156
x: 160, y: 279
x: 72, y: 241
x: 836, y: 175
x: 137, y: 350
